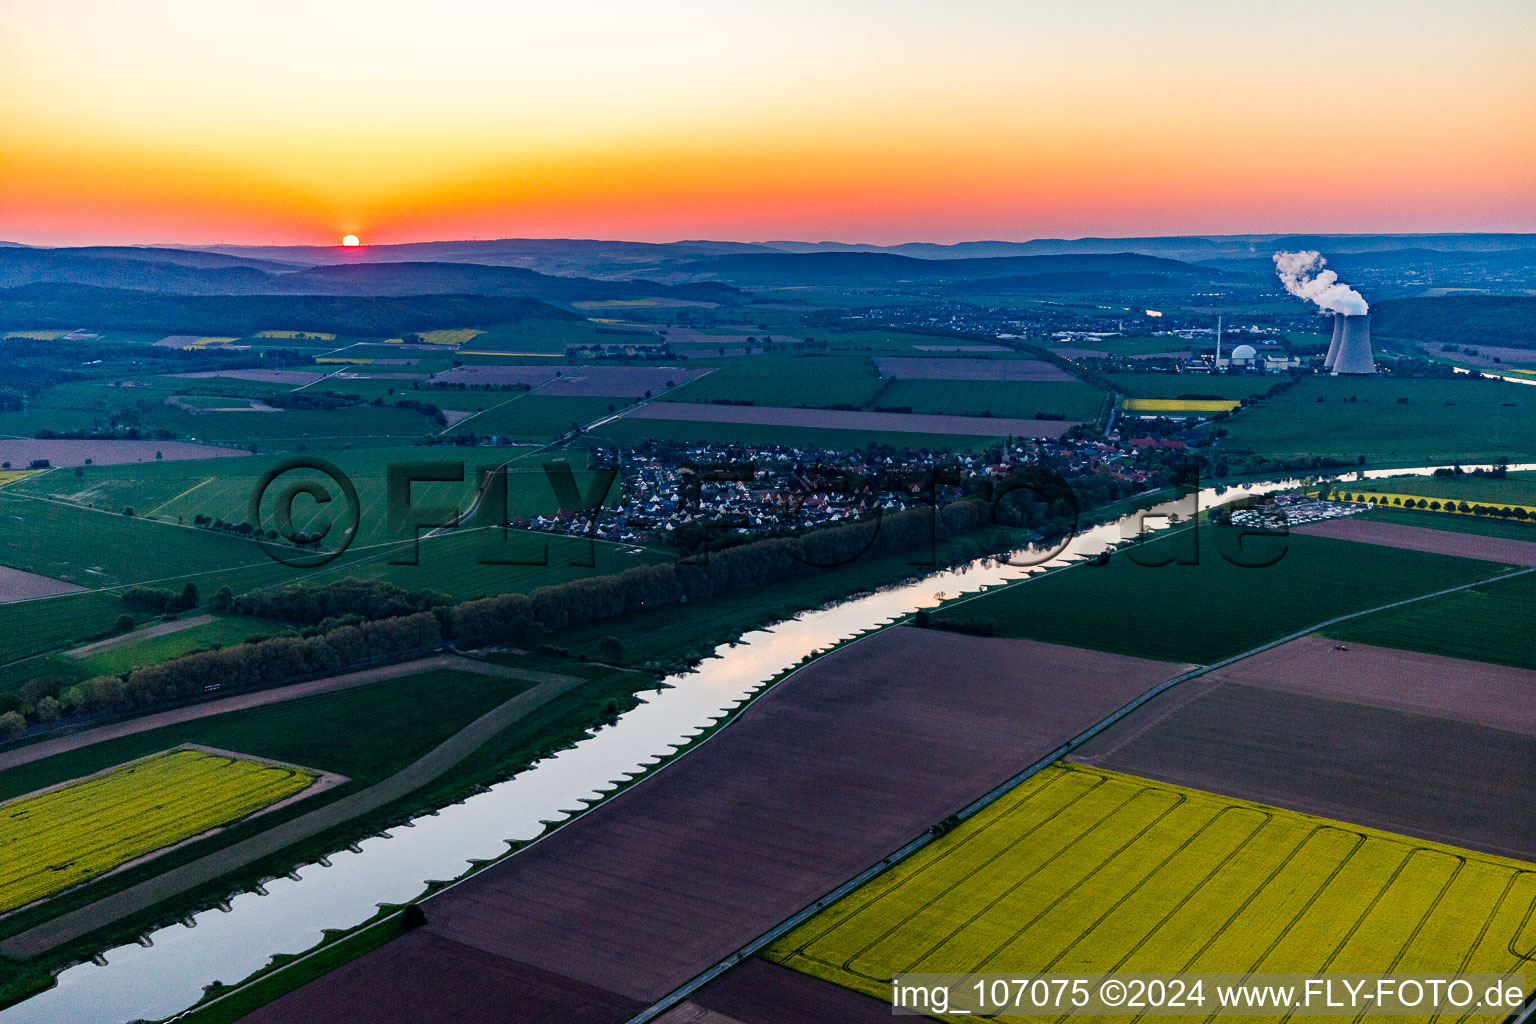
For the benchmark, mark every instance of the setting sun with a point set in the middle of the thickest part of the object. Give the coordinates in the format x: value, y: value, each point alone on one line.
x: 351, y: 240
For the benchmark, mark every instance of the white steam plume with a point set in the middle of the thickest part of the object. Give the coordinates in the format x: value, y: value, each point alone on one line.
x: 1303, y: 275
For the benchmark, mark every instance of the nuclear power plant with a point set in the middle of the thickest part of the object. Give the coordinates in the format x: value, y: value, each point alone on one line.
x: 1333, y: 346
x: 1351, y: 348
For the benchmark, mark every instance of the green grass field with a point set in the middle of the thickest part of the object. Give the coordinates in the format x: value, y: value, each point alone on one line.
x: 812, y: 381
x: 544, y: 337
x: 1202, y: 613
x: 476, y: 563
x: 1131, y: 346
x: 100, y: 549
x: 1456, y: 523
x: 134, y: 652
x: 1021, y: 399
x: 1409, y: 421
x: 629, y: 432
x: 530, y: 417
x: 222, y: 488
x: 366, y: 733
x: 1081, y: 870
x: 1182, y: 385
x: 1515, y: 489
x: 1491, y: 623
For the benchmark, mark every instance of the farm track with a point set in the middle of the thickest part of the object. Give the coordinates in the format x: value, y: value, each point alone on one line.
x: 240, y: 702
x: 426, y: 769
x: 144, y: 633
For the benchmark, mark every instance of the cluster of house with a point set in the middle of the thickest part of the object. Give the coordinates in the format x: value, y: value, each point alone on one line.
x: 764, y: 490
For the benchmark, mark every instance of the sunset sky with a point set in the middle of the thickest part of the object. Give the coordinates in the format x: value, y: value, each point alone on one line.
x: 295, y: 121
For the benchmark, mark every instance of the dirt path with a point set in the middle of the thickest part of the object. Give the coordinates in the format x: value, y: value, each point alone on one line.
x: 330, y: 684
x: 431, y: 766
x: 159, y: 629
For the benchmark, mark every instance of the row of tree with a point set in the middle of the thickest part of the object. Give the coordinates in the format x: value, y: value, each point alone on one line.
x: 253, y: 665
x: 399, y: 622
x: 371, y: 599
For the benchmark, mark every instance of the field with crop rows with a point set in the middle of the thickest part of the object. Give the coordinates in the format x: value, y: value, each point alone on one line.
x: 179, y: 492
x: 1512, y: 529
x: 1207, y: 611
x: 1489, y: 623
x: 1513, y: 489
x: 811, y: 381
x: 1191, y: 385
x: 1407, y: 421
x: 1068, y: 400
x: 1162, y: 405
x: 1086, y: 870
x: 533, y: 417
x: 628, y: 431
x: 65, y: 836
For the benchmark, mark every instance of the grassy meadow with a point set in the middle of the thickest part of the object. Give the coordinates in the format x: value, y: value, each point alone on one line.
x: 1204, y: 612
x: 1402, y: 421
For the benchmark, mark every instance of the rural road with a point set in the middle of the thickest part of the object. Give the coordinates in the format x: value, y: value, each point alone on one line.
x: 330, y: 684
x: 431, y: 766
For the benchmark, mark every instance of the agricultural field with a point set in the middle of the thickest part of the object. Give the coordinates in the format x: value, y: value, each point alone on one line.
x: 894, y: 342
x: 1159, y: 406
x: 365, y: 733
x: 62, y: 837
x: 1515, y: 489
x: 1008, y: 399
x: 454, y: 337
x: 971, y: 368
x: 1511, y: 529
x: 1121, y: 346
x: 1489, y: 623
x: 1207, y: 611
x: 120, y: 656
x: 94, y: 548
x: 529, y: 417
x: 178, y: 493
x: 1191, y: 385
x: 1412, y: 421
x: 544, y: 337
x: 1086, y: 870
x: 773, y: 380
x: 632, y: 431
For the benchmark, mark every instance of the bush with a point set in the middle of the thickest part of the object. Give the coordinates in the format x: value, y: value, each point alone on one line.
x: 125, y: 623
x: 11, y: 725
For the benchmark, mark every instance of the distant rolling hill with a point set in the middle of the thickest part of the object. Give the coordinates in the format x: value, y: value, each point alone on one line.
x: 69, y: 305
x: 883, y: 268
x: 1500, y: 321
x: 189, y: 272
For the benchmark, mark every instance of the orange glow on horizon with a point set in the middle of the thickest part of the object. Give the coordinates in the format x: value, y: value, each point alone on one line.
x: 874, y: 121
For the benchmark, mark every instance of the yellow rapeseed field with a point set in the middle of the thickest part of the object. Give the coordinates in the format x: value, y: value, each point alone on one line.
x: 10, y: 476
x: 36, y: 335
x: 454, y: 337
x: 1082, y: 870
x: 58, y: 838
x: 205, y: 342
x: 1179, y: 404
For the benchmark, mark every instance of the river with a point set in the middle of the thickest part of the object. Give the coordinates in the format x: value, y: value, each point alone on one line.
x: 169, y: 974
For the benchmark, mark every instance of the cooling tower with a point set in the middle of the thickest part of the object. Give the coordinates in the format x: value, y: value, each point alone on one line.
x: 1355, y: 355
x: 1333, y: 346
